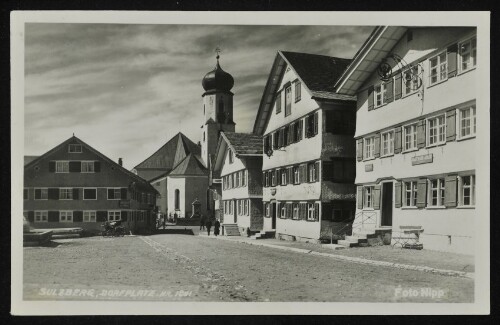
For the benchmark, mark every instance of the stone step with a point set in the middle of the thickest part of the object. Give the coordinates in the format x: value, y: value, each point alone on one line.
x: 333, y: 246
x: 356, y: 239
x: 347, y: 243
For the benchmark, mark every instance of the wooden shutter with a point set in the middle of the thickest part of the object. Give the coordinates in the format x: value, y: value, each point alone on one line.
x: 52, y: 166
x: 376, y: 197
x: 370, y: 98
x: 301, y: 128
x: 124, y: 215
x: 452, y: 60
x: 359, y: 197
x: 390, y: 91
x: 266, y: 147
x: 97, y: 166
x: 421, y: 193
x: 77, y: 216
x: 53, y: 216
x: 316, y: 123
x: 101, y: 216
x: 38, y: 194
x: 421, y: 134
x: 316, y: 211
x: 397, y: 194
x: 31, y: 216
x: 451, y: 133
x: 53, y: 193
x: 397, y: 140
x: 123, y: 193
x: 75, y: 194
x: 289, y: 210
x: 450, y: 191
x: 317, y: 171
x: 397, y: 86
x: 75, y: 166
x: 359, y: 149
x: 376, y: 150
x: 290, y: 175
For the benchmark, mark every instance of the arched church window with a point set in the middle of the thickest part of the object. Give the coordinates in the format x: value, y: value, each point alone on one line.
x: 177, y: 199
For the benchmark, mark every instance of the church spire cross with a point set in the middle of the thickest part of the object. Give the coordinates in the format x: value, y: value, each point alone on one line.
x: 218, y: 50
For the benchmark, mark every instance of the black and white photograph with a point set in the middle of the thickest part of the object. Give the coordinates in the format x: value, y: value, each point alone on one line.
x: 271, y: 163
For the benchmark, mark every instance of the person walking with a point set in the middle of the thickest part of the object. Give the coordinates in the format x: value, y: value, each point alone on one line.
x: 209, y: 225
x: 216, y: 227
x: 202, y: 222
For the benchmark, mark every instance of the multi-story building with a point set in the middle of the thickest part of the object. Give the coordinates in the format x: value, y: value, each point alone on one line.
x: 309, y: 150
x: 238, y: 164
x: 415, y: 132
x: 74, y: 185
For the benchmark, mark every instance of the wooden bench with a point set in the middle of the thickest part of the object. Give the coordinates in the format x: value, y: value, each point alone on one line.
x: 408, y: 237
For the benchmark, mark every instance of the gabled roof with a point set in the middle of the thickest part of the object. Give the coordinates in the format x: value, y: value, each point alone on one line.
x: 189, y: 166
x: 171, y: 153
x: 242, y: 144
x: 28, y: 159
x: 377, y: 47
x: 74, y: 139
x: 318, y: 74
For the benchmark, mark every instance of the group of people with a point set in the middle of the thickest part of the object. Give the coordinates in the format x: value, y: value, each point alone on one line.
x: 208, y: 224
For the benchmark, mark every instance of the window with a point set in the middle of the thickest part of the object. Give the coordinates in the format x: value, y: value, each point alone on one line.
x: 65, y: 216
x: 436, y: 193
x: 380, y: 94
x: 467, y: 54
x: 311, y: 125
x: 116, y: 215
x: 296, y: 175
x: 231, y: 156
x: 237, y: 179
x: 90, y: 194
x: 283, y: 176
x: 388, y: 143
x: 411, y: 80
x: 89, y: 216
x: 245, y: 177
x: 311, y: 172
x: 41, y: 216
x: 41, y: 194
x: 267, y: 209
x: 65, y: 194
x: 87, y: 167
x: 369, y: 147
x: 75, y: 148
x: 410, y: 190
x: 26, y: 194
x: 288, y: 100
x: 310, y: 211
x: 467, y: 122
x: 240, y: 178
x: 467, y: 190
x: 114, y: 194
x: 295, y: 215
x: 278, y: 103
x: 273, y: 178
x: 438, y: 68
x: 410, y: 137
x: 436, y: 130
x: 266, y: 179
x: 283, y: 210
x: 247, y: 207
x: 368, y: 197
x: 62, y: 166
x: 298, y: 88
x: 177, y: 199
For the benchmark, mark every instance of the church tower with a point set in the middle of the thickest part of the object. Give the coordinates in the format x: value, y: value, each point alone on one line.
x: 217, y: 110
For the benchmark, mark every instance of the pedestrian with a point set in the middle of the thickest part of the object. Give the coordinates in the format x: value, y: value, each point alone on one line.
x: 209, y: 225
x: 216, y: 227
x: 202, y: 222
x: 163, y: 222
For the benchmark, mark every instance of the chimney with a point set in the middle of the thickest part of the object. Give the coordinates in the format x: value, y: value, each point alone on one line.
x: 120, y: 161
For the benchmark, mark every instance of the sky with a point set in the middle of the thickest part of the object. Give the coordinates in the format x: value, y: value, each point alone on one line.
x: 126, y: 89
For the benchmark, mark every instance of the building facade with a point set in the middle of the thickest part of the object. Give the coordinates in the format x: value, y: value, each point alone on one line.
x: 309, y: 150
x: 73, y: 185
x: 415, y: 132
x: 238, y: 164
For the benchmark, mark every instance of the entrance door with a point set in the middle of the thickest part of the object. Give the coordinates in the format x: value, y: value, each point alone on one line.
x: 273, y: 215
x: 386, y: 204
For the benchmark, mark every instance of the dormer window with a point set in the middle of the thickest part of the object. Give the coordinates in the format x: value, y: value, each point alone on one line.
x: 75, y: 148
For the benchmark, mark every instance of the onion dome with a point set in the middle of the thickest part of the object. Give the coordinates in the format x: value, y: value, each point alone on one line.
x: 217, y: 79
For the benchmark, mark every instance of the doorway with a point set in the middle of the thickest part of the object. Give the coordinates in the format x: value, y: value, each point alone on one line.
x: 273, y: 215
x: 386, y: 220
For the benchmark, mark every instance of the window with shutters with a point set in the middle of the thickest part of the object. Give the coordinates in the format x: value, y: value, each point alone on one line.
x: 288, y: 100
x: 436, y: 130
x: 388, y: 143
x: 467, y: 189
x: 467, y: 122
x: 295, y: 215
x: 65, y: 216
x: 65, y: 194
x: 311, y: 172
x: 275, y: 140
x: 278, y: 103
x: 41, y: 216
x: 438, y: 68
x: 310, y: 211
x: 273, y: 178
x: 88, y: 167
x: 283, y: 211
x: 116, y: 215
x: 380, y: 94
x: 369, y: 146
x: 62, y: 166
x: 89, y: 216
x: 410, y: 137
x: 467, y: 54
x: 26, y: 194
x: 368, y: 197
x: 410, y: 194
x: 267, y: 209
x: 90, y: 194
x: 75, y: 148
x: 298, y: 130
x: 114, y: 193
x: 41, y: 193
x: 296, y: 178
x: 283, y: 173
x: 436, y: 192
x: 411, y: 80
x: 298, y: 89
x: 266, y: 178
x: 310, y: 125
